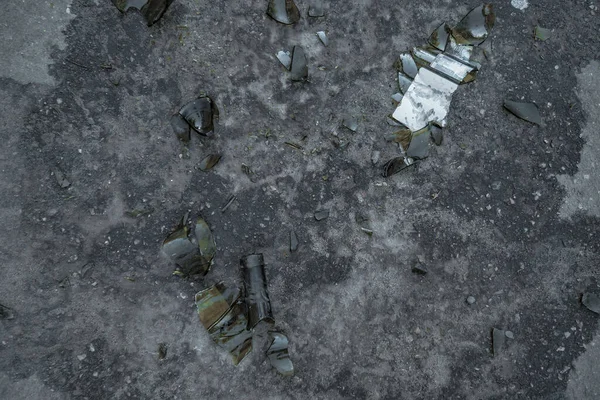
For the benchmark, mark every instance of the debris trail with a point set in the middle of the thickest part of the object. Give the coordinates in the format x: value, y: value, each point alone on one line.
x: 427, y: 78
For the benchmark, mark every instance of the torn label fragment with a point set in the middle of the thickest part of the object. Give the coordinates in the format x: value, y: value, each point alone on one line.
x: 201, y: 114
x: 475, y: 27
x: 591, y: 301
x: 285, y: 59
x: 223, y: 315
x: 427, y: 100
x: 255, y: 290
x: 323, y: 37
x: 450, y: 67
x: 284, y: 11
x: 396, y: 165
x: 209, y: 161
x: 278, y: 354
x: 293, y: 241
x: 409, y: 67
x: 152, y: 10
x: 526, y: 111
x: 299, y: 64
x: 439, y: 37
x: 181, y: 127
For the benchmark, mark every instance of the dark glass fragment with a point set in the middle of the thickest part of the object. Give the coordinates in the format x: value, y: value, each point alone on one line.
x: 255, y: 290
x: 299, y: 68
x: 152, y: 10
x: 396, y: 165
x: 284, y: 11
x: 293, y: 241
x: 201, y: 114
x: 321, y: 215
x: 591, y: 301
x: 475, y: 27
x: 526, y: 111
x: 181, y: 127
x: 209, y: 161
x: 439, y: 37
x: 278, y: 354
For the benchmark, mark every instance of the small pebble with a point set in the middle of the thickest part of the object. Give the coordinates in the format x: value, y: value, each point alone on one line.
x: 471, y: 300
x: 509, y: 334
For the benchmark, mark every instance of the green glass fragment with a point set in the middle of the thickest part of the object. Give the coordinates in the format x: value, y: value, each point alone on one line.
x: 526, y: 111
x: 278, y: 354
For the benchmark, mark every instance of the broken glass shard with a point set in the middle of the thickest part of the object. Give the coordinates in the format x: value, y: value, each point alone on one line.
x: 409, y: 67
x: 299, y: 64
x: 285, y: 59
x: 436, y: 134
x: 542, y: 34
x: 396, y: 165
x: 391, y: 121
x: 152, y: 10
x: 439, y: 37
x: 316, y: 9
x: 419, y: 269
x: 423, y: 56
x: 461, y: 51
x: 451, y: 67
x: 224, y: 317
x: 181, y: 127
x: 214, y: 302
x: 293, y: 241
x: 350, y: 123
x: 404, y: 82
x: 397, y: 97
x: 323, y: 37
x: 162, y: 351
x: 591, y: 301
x: 419, y: 144
x: 475, y: 27
x: 498, y: 340
x: 284, y: 11
x: 255, y: 290
x: 191, y: 258
x: 402, y: 137
x: 6, y: 312
x: 201, y: 114
x: 209, y: 161
x: 61, y: 179
x: 320, y: 215
x: 229, y: 202
x: 278, y: 354
x: 526, y: 111
x: 206, y: 241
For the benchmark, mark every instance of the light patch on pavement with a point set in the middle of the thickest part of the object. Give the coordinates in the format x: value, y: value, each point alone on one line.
x: 583, y: 188
x: 30, y: 30
x: 519, y: 4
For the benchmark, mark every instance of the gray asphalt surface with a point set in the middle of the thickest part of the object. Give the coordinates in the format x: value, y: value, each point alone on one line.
x: 505, y: 211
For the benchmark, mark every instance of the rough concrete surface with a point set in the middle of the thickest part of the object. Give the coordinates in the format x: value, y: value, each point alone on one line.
x: 492, y: 213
